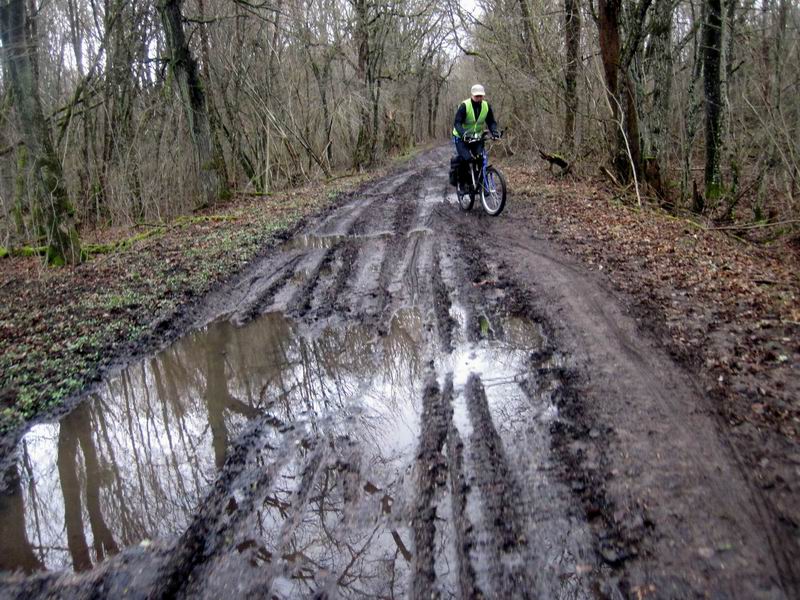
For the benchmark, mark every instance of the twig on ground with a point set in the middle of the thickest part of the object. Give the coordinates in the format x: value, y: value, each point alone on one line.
x: 610, y: 175
x: 753, y: 225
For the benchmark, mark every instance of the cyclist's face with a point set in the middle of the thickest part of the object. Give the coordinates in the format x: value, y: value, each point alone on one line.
x: 478, y: 98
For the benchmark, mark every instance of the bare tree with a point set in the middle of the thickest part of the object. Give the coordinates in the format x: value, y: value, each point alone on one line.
x: 657, y: 114
x: 572, y: 33
x: 712, y: 87
x: 53, y: 213
x: 209, y: 168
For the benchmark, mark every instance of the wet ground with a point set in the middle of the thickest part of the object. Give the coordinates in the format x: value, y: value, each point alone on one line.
x: 404, y: 400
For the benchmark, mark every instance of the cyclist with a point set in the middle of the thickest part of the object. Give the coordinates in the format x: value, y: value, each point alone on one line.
x: 471, y: 117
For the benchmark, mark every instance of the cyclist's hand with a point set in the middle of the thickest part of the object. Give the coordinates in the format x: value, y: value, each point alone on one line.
x: 496, y: 135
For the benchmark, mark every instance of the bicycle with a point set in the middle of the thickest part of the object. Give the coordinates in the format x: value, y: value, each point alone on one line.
x: 484, y: 179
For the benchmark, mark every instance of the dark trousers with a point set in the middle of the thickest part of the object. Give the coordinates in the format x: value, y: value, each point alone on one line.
x: 464, y: 155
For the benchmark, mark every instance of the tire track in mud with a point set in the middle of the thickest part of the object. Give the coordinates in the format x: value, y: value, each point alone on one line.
x: 302, y: 300
x: 441, y: 304
x: 473, y: 275
x: 345, y: 256
x: 322, y: 292
x: 417, y: 261
x: 463, y: 528
x: 220, y: 512
x: 202, y: 539
x: 264, y: 299
x: 349, y: 222
x: 333, y: 300
x: 396, y: 248
x: 295, y: 509
x: 431, y: 468
x: 499, y: 496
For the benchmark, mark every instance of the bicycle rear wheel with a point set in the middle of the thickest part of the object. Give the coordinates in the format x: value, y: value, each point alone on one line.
x: 493, y: 192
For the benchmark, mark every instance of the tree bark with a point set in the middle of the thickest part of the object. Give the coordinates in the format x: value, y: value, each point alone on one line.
x: 362, y: 156
x: 610, y: 54
x: 572, y: 29
x: 184, y: 69
x: 660, y: 59
x: 54, y: 215
x: 624, y: 141
x: 529, y: 33
x: 712, y: 87
x: 212, y: 110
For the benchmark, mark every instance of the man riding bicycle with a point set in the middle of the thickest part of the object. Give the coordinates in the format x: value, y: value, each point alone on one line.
x: 471, y: 117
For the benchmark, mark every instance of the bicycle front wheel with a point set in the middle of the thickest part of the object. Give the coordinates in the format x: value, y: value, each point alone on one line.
x: 493, y: 192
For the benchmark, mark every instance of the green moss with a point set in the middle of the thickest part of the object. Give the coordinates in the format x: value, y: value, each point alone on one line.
x: 714, y: 192
x: 24, y: 251
x: 54, y: 257
x: 116, y: 246
x: 485, y: 325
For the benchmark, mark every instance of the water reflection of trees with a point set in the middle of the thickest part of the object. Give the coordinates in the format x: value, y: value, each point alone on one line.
x: 348, y: 539
x: 16, y: 552
x: 343, y: 535
x: 75, y: 431
x: 132, y: 462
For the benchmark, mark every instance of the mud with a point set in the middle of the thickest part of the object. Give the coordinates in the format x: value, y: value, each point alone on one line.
x: 401, y: 400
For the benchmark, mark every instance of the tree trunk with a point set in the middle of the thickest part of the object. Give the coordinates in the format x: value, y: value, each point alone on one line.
x: 624, y: 141
x: 212, y: 111
x: 766, y: 9
x: 572, y: 30
x: 436, y: 103
x: 52, y: 209
x: 362, y: 156
x: 730, y: 149
x: 712, y: 45
x: 184, y: 69
x: 692, y: 110
x: 610, y: 52
x: 660, y: 59
x: 529, y: 39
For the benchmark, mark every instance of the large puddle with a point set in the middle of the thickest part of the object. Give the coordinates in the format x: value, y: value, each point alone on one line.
x: 131, y: 463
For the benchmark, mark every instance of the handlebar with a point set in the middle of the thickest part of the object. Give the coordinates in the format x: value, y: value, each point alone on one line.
x: 471, y: 139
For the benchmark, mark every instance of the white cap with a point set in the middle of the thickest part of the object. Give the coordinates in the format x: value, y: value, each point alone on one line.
x: 477, y: 90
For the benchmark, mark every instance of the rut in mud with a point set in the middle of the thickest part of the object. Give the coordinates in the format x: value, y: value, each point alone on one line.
x: 370, y: 411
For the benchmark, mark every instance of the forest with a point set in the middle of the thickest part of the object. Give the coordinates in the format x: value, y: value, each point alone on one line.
x: 123, y: 113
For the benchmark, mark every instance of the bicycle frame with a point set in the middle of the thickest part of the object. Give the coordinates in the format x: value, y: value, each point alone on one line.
x: 484, y: 158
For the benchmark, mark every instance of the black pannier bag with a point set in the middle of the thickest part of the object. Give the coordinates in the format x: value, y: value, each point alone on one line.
x: 454, y: 164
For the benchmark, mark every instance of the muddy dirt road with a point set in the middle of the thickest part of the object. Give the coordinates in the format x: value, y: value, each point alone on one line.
x: 402, y: 401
